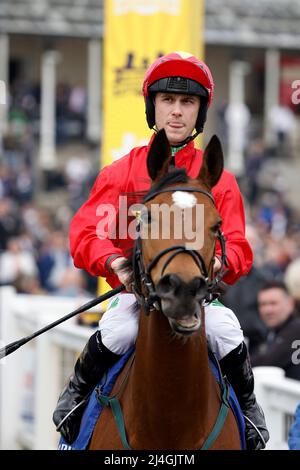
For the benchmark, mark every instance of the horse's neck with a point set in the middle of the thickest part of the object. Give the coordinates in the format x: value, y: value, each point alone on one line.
x: 171, y: 377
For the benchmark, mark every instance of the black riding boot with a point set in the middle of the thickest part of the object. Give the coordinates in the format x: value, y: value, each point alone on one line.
x: 94, y: 360
x: 237, y: 367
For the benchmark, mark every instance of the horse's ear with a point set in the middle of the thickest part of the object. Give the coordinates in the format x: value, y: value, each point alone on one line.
x: 158, y: 156
x: 213, y: 163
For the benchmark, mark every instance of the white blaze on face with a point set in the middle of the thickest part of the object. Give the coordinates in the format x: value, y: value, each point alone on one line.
x: 184, y: 200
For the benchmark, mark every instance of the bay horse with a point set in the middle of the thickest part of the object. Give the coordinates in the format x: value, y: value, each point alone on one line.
x: 170, y: 398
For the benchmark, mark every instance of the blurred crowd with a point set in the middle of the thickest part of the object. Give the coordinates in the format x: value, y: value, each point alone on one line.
x: 273, y: 230
x: 34, y: 252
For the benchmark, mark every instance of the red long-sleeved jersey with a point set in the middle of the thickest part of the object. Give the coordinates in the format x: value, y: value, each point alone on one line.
x: 129, y: 175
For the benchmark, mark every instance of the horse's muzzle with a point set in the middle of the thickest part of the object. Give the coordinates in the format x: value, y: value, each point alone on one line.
x: 180, y: 302
x: 188, y: 325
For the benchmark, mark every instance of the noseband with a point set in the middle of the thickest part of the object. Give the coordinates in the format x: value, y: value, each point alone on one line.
x: 143, y: 286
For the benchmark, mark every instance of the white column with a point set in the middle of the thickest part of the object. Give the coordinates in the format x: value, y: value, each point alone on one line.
x: 48, y: 158
x: 272, y: 79
x: 94, y: 90
x: 4, y: 60
x: 237, y: 117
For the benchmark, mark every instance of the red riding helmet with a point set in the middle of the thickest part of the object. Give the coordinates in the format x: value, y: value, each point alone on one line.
x: 178, y: 72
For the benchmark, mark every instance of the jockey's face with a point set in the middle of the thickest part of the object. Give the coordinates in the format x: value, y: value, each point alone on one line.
x: 177, y: 114
x: 275, y: 306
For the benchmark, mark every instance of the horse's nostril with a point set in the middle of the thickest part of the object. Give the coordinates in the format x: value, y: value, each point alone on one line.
x: 171, y: 286
x: 174, y: 281
x: 196, y: 286
x: 168, y: 284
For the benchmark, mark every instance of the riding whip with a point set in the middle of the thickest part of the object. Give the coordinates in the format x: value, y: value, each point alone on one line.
x: 17, y: 344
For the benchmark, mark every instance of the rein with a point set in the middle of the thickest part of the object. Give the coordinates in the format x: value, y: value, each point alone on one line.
x: 146, y: 295
x: 116, y: 409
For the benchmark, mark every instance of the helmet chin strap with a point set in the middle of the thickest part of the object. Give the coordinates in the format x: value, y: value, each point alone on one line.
x: 184, y: 142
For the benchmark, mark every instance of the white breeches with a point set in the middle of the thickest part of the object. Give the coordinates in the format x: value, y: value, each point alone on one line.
x: 119, y: 326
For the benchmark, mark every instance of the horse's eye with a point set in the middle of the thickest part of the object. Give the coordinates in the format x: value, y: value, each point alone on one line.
x: 216, y: 227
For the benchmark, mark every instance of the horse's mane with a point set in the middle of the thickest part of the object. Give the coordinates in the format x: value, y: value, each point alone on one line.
x: 173, y: 176
x: 178, y: 175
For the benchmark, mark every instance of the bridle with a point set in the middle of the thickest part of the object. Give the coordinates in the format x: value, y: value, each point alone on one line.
x: 149, y: 300
x: 143, y: 285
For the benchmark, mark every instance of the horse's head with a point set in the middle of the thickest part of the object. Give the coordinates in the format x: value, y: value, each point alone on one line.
x: 179, y: 227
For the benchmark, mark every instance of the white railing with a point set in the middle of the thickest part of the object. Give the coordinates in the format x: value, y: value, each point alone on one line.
x: 32, y: 377
x: 279, y: 398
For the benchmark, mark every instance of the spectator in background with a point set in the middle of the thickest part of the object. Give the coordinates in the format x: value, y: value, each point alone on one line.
x: 72, y: 284
x: 24, y: 185
x: 77, y: 100
x: 282, y: 121
x: 53, y: 261
x: 255, y: 157
x: 278, y: 255
x: 292, y: 280
x: 294, y: 434
x: 77, y: 107
x: 39, y: 223
x: 6, y: 181
x: 242, y: 296
x: 28, y: 284
x: 9, y: 221
x: 78, y: 171
x: 277, y: 310
x: 15, y: 262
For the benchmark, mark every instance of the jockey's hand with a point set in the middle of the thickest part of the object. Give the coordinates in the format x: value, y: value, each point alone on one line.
x: 125, y: 275
x: 217, y: 265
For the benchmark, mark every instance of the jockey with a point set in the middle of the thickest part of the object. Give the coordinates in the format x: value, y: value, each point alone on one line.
x: 178, y: 90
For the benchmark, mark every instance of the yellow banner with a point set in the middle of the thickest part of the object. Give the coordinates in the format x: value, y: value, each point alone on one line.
x: 136, y: 32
